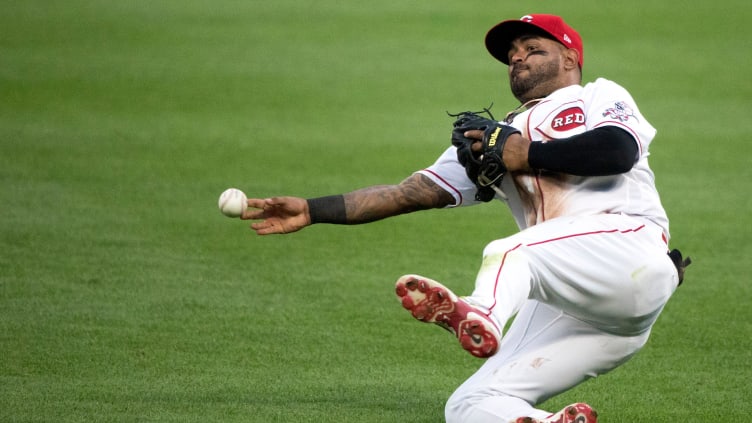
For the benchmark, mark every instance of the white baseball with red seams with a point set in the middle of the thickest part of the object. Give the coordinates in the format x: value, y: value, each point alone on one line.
x: 232, y: 202
x: 586, y: 277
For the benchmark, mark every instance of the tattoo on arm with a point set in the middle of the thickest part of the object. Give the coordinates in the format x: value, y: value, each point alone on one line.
x: 417, y: 192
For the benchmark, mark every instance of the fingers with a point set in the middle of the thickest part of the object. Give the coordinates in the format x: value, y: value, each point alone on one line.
x: 256, y: 208
x: 258, y: 203
x: 475, y: 134
x: 276, y: 215
x: 273, y: 226
x: 266, y: 228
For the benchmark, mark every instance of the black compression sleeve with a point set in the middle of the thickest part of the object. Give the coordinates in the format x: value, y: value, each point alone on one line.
x: 330, y: 209
x: 607, y: 150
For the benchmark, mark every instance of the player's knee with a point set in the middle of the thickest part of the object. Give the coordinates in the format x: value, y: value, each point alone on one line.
x: 455, y: 408
x: 500, y: 248
x: 515, y: 261
x: 481, y: 406
x: 467, y: 406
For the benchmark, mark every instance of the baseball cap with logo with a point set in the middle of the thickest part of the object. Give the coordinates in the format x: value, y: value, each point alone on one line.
x: 500, y: 37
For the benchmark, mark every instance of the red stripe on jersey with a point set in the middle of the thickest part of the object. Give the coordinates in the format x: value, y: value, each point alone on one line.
x: 459, y: 194
x: 542, y: 199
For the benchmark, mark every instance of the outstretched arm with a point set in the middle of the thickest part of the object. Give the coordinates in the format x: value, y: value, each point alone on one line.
x: 281, y: 215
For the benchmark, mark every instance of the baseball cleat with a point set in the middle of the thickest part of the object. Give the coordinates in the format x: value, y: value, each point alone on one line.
x: 575, y: 413
x: 432, y: 302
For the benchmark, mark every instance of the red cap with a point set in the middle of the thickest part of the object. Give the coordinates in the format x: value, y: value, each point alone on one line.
x: 500, y: 37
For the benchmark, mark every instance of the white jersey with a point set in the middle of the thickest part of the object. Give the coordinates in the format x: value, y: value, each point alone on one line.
x: 534, y: 197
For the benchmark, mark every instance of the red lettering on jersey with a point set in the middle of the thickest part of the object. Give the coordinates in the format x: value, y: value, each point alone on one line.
x: 568, y: 119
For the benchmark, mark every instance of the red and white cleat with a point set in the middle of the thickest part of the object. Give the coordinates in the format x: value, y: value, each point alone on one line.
x: 432, y: 302
x: 575, y: 413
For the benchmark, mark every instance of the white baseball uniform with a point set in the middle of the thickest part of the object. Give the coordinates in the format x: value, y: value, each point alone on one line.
x: 586, y: 276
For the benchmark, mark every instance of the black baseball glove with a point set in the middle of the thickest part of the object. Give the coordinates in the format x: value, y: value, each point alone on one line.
x: 680, y: 263
x: 485, y: 167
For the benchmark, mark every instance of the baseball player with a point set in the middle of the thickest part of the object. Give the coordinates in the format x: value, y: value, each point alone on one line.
x: 582, y: 283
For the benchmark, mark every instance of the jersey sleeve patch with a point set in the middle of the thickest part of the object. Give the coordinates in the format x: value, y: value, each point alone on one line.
x: 621, y: 112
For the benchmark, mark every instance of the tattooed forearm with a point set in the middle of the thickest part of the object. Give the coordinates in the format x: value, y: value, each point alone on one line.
x: 424, y: 193
x: 378, y: 202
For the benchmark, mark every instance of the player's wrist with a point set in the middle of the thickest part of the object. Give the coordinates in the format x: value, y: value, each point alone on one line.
x: 329, y: 209
x: 516, y: 153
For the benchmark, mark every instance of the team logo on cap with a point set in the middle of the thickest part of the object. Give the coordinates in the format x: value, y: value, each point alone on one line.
x: 526, y: 18
x: 621, y: 112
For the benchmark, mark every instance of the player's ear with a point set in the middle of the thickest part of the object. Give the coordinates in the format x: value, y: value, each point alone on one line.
x: 571, y: 58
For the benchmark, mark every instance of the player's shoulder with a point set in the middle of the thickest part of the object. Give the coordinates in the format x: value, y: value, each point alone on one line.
x: 603, y: 91
x: 602, y: 84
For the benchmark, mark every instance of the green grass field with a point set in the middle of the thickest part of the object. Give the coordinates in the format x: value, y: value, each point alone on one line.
x: 126, y: 297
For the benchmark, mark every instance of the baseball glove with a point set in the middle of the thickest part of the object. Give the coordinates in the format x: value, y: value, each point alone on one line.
x: 485, y: 167
x: 680, y: 263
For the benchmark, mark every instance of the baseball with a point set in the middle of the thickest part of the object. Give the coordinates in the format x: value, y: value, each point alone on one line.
x: 233, y: 202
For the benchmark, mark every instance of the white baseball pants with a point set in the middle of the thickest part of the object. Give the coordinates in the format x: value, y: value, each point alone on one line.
x: 585, y: 291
